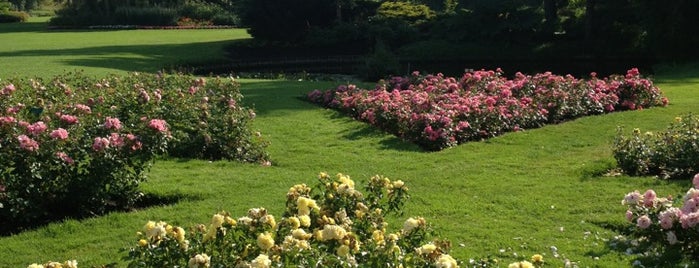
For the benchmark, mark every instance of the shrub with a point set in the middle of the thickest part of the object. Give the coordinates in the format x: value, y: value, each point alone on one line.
x: 438, y: 112
x: 406, y: 11
x: 76, y: 146
x: 63, y: 154
x: 660, y: 226
x: 13, y: 16
x: 145, y: 16
x: 331, y: 225
x: 673, y: 153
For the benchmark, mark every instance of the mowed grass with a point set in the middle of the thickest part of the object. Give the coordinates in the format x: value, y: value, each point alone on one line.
x: 509, y: 197
x: 29, y: 48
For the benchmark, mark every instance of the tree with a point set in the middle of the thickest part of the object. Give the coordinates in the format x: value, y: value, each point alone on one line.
x: 286, y: 20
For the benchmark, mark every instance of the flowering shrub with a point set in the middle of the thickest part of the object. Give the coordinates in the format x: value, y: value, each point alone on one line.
x: 331, y: 225
x: 657, y: 223
x: 438, y: 112
x: 77, y: 146
x: 673, y: 153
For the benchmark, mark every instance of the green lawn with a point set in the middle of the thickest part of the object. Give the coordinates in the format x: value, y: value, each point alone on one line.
x: 519, y: 193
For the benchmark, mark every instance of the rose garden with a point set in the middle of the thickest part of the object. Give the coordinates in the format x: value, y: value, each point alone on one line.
x: 148, y: 167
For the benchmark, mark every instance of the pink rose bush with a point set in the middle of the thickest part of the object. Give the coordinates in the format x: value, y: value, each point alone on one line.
x: 663, y: 222
x: 331, y: 225
x: 75, y: 146
x: 436, y: 112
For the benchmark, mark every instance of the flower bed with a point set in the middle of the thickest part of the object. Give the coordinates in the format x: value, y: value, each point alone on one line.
x: 437, y: 112
x: 331, y: 225
x: 76, y: 146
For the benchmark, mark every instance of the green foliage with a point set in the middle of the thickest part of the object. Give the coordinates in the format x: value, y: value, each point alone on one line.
x: 148, y: 16
x: 286, y: 21
x: 672, y: 153
x: 406, y: 11
x: 13, y: 16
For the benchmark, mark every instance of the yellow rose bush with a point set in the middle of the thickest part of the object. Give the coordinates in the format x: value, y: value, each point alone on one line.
x: 331, y: 225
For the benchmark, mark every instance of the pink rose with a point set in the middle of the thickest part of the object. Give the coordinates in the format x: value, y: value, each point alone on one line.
x: 59, y: 134
x: 8, y: 89
x: 629, y: 215
x: 36, y: 128
x: 648, y: 198
x: 116, y: 140
x: 158, y: 124
x: 27, y: 143
x: 69, y: 119
x: 695, y: 181
x: 100, y: 144
x: 112, y: 123
x: 643, y: 222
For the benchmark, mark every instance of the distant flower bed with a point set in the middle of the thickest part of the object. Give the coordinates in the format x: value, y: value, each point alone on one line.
x: 437, y: 112
x: 75, y: 146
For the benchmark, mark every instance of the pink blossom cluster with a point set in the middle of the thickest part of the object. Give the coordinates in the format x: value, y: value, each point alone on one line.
x: 651, y: 213
x: 158, y: 125
x: 437, y: 111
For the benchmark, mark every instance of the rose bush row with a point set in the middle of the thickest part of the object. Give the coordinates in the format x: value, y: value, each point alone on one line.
x: 673, y: 153
x: 76, y: 146
x: 436, y: 112
x: 662, y: 224
x: 331, y: 225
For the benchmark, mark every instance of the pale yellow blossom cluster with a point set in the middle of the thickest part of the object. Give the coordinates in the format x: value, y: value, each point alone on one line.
x: 521, y: 264
x: 200, y: 261
x: 412, y: 224
x: 53, y: 264
x: 304, y: 205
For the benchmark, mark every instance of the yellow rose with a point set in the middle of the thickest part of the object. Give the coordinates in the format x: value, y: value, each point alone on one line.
x: 269, y: 220
x: 335, y: 232
x: 178, y: 233
x: 262, y: 261
x: 300, y: 234
x: 294, y: 222
x: 71, y: 264
x: 53, y: 264
x: 410, y: 224
x: 230, y: 221
x: 446, y: 261
x: 265, y: 241
x: 34, y: 265
x: 378, y: 237
x: 343, y: 251
x: 398, y: 184
x: 426, y: 249
x: 142, y: 243
x: 305, y: 221
x: 217, y: 221
x: 537, y: 258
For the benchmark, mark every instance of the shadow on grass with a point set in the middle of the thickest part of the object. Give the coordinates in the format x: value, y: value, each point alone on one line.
x: 148, y: 200
x: 388, y: 143
x: 23, y: 27
x: 646, y: 254
x: 130, y: 58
